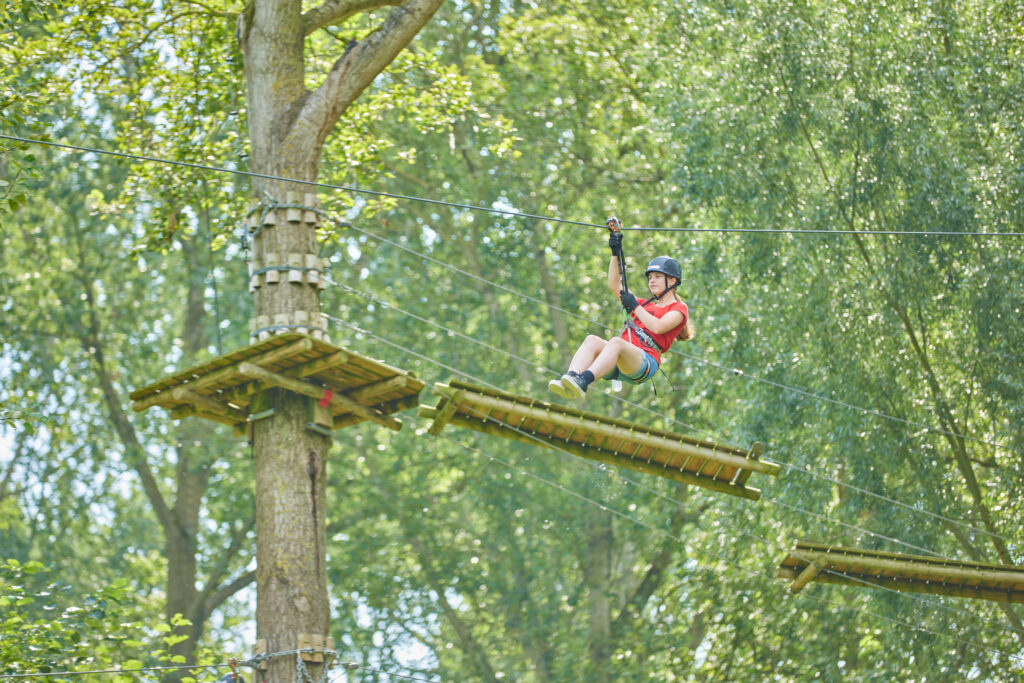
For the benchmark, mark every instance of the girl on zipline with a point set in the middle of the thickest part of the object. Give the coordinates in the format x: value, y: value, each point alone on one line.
x: 652, y: 326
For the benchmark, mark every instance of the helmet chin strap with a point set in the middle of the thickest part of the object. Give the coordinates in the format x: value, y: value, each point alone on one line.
x: 667, y: 289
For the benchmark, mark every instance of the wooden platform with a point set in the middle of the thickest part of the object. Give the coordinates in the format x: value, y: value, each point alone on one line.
x: 349, y: 388
x: 874, y: 569
x: 606, y: 440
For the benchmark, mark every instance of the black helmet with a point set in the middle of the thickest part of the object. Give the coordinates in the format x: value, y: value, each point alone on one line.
x: 666, y: 265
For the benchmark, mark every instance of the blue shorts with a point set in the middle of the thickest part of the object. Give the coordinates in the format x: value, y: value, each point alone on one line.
x: 647, y: 369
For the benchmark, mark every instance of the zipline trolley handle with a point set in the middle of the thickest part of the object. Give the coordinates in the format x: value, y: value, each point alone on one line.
x: 615, y: 227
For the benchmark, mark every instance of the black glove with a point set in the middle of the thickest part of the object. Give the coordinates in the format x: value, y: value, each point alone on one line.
x: 615, y: 242
x: 629, y: 301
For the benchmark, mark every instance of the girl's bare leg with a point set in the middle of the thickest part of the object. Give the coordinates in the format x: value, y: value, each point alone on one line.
x: 617, y: 352
x: 590, y: 349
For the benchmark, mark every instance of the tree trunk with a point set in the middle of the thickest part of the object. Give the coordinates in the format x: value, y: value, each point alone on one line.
x: 180, y: 540
x: 597, y: 575
x: 288, y: 125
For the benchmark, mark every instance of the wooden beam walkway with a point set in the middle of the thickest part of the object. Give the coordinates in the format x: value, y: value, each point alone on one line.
x: 914, y: 573
x: 613, y: 442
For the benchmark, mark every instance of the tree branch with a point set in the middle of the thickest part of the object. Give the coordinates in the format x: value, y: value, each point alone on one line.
x: 655, y: 572
x: 207, y: 599
x: 355, y: 70
x: 93, y: 347
x: 333, y: 11
x: 229, y: 589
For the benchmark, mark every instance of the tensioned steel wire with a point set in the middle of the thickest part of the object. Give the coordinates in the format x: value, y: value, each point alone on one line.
x: 490, y: 209
x: 461, y: 335
x: 677, y: 503
x: 788, y: 465
x: 552, y: 219
x: 777, y: 546
x: 734, y: 371
x: 349, y: 666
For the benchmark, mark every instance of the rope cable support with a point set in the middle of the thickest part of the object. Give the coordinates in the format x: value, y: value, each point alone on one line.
x: 673, y: 420
x: 677, y: 503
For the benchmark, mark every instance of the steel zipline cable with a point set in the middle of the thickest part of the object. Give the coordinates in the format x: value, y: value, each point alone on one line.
x: 791, y: 466
x: 733, y: 371
x: 554, y: 220
x: 490, y: 209
x: 677, y: 539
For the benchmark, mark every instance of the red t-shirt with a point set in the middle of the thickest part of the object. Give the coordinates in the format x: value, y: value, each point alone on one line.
x: 664, y: 340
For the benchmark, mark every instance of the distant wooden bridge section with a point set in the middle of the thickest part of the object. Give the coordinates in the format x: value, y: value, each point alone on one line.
x: 914, y: 573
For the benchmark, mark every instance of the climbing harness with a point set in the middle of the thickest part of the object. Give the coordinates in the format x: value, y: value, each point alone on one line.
x: 641, y: 334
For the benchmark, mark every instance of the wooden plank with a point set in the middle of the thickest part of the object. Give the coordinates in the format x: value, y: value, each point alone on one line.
x: 216, y: 376
x: 317, y: 366
x: 369, y: 392
x: 313, y: 391
x: 443, y: 415
x: 397, y: 405
x: 191, y: 411
x: 502, y: 430
x: 741, y: 476
x: 207, y: 404
x: 903, y: 585
x: 598, y: 429
x: 804, y: 577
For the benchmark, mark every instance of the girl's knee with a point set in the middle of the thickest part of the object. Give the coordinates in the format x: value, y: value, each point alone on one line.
x: 619, y: 343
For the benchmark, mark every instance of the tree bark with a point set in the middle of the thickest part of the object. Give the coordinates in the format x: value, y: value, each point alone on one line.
x: 597, y: 576
x: 288, y: 125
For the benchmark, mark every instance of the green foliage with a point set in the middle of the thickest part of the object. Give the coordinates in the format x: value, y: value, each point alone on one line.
x: 462, y: 557
x: 43, y: 631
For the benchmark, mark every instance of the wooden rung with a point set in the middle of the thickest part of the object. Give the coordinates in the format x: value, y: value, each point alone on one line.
x: 444, y: 415
x: 804, y: 577
x: 398, y: 405
x: 306, y: 389
x: 191, y: 411
x: 741, y: 477
x: 207, y: 404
